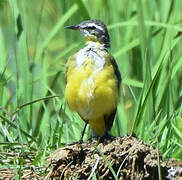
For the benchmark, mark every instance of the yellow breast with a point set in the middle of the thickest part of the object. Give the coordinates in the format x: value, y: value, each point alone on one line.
x: 92, y: 91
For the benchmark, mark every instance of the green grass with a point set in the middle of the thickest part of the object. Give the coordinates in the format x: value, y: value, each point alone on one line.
x: 146, y: 41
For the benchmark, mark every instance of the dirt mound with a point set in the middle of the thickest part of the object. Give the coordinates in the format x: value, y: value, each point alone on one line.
x: 122, y: 157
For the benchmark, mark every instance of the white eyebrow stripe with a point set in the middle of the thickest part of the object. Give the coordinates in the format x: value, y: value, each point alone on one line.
x: 97, y: 27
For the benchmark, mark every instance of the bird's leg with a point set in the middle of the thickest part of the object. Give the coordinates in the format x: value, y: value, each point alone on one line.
x: 83, y: 132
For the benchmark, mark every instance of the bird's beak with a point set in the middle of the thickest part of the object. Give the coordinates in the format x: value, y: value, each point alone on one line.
x: 74, y: 27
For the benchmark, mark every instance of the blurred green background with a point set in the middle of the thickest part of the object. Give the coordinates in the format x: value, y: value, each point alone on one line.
x: 146, y: 42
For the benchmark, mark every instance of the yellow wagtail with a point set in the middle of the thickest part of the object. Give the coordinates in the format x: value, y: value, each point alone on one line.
x: 93, y: 79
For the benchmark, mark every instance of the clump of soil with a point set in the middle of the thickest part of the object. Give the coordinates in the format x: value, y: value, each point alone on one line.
x: 122, y: 157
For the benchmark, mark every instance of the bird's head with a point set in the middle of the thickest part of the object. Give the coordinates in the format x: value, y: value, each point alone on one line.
x: 93, y: 30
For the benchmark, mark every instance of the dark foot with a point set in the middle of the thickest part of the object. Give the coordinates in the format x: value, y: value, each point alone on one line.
x: 80, y: 141
x: 106, y: 137
x: 102, y: 138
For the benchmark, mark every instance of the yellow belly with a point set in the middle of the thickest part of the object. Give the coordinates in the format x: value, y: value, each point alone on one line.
x: 92, y: 94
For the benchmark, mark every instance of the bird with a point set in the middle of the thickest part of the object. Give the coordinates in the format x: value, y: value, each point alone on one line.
x: 93, y: 79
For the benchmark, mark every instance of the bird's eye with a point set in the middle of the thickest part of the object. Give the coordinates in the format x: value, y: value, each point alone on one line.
x: 92, y: 27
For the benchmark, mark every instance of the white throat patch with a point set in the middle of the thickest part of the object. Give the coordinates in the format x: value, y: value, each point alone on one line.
x: 93, y: 51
